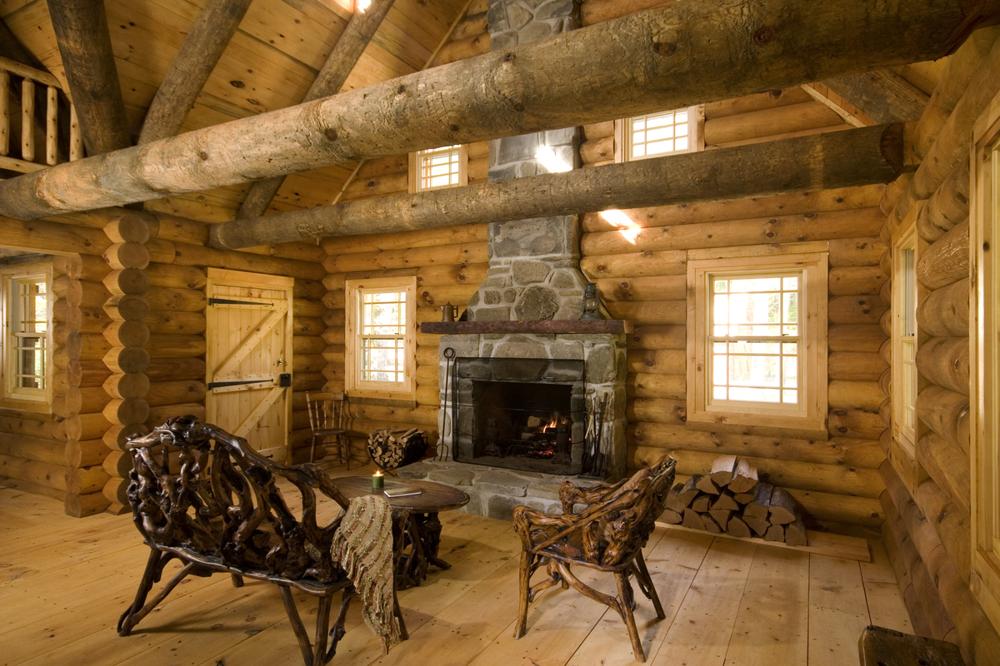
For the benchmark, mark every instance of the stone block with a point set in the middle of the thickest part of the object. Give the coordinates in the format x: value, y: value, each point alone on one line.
x: 520, y: 349
x: 555, y: 9
x: 453, y: 476
x: 529, y: 272
x: 501, y: 313
x: 536, y: 303
x: 601, y: 366
x: 561, y: 137
x: 513, y: 149
x: 418, y: 470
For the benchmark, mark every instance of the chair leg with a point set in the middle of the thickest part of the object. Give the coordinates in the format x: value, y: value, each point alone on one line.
x: 345, y: 445
x: 625, y: 609
x: 322, y: 626
x: 237, y: 580
x: 312, y: 450
x: 647, y: 586
x: 300, y: 631
x: 140, y: 608
x: 524, y: 590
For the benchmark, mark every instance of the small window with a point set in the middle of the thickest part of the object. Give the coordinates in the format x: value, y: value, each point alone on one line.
x: 438, y: 168
x: 27, y: 347
x: 658, y: 134
x: 904, y: 342
x: 381, y: 341
x: 758, y: 342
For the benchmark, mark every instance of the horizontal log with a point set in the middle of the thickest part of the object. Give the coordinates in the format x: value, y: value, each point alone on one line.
x: 856, y: 309
x: 856, y: 366
x: 945, y: 362
x: 948, y: 206
x: 175, y: 299
x: 768, y: 122
x: 946, y: 463
x: 854, y: 280
x: 655, y: 338
x: 175, y: 369
x: 175, y: 392
x: 855, y: 338
x: 85, y: 505
x: 666, y: 361
x: 867, y: 396
x: 839, y: 159
x: 186, y: 254
x: 946, y: 260
x: 635, y: 264
x: 946, y: 413
x: 646, y: 385
x: 38, y: 449
x: 855, y: 423
x: 945, y: 312
x: 950, y: 521
x: 856, y: 252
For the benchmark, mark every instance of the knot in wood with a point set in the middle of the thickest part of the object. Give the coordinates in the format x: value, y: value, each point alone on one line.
x: 665, y: 48
x: 202, y: 155
x: 763, y: 35
x: 330, y: 134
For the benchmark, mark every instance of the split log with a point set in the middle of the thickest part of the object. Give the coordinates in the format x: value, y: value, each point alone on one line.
x: 201, y: 49
x: 738, y: 528
x: 691, y: 518
x: 945, y: 312
x: 775, y: 533
x: 782, y: 509
x: 701, y: 504
x: 945, y: 362
x: 838, y: 159
x: 446, y: 105
x: 706, y: 485
x: 331, y: 76
x: 795, y: 534
x: 757, y: 509
x: 81, y: 30
x: 682, y: 495
x: 725, y: 502
x: 670, y: 516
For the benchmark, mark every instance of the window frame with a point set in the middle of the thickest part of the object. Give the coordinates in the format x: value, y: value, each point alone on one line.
x: 354, y: 385
x: 415, y: 177
x: 809, y: 418
x: 10, y: 395
x: 984, y: 449
x: 623, y: 134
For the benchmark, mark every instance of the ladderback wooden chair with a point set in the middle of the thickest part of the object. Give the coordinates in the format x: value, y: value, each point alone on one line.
x: 329, y: 414
x: 204, y: 497
x: 607, y: 535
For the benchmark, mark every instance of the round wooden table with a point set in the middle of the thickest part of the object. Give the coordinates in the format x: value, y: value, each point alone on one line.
x: 416, y: 528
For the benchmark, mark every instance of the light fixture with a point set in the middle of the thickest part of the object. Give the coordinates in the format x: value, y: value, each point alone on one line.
x: 362, y: 5
x: 551, y: 162
x: 619, y: 219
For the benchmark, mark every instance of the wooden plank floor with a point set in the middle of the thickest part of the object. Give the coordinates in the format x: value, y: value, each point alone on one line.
x: 64, y: 581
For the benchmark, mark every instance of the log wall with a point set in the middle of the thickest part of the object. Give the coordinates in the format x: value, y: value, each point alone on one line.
x: 927, y: 505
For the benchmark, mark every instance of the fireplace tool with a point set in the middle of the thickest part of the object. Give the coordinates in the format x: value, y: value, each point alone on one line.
x: 444, y: 449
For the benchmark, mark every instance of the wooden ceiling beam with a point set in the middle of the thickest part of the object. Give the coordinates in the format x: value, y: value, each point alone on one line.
x: 81, y: 28
x: 191, y: 67
x: 837, y: 159
x: 686, y: 52
x: 883, y: 95
x: 331, y: 77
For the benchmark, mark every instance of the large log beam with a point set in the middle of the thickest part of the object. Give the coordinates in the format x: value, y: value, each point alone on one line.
x: 81, y: 29
x: 686, y: 52
x: 838, y: 159
x: 331, y: 77
x: 881, y: 94
x: 191, y: 67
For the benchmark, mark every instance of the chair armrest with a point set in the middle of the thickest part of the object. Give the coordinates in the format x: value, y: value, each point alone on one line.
x: 571, y: 494
x: 535, y: 527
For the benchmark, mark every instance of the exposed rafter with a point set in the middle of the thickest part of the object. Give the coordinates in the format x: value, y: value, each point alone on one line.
x: 331, y: 77
x: 686, y: 52
x: 191, y: 67
x: 838, y: 159
x: 883, y: 95
x: 81, y: 28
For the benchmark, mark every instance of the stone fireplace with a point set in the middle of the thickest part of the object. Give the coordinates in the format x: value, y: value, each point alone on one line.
x: 530, y: 393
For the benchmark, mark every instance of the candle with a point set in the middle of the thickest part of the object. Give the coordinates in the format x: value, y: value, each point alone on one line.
x: 378, y: 481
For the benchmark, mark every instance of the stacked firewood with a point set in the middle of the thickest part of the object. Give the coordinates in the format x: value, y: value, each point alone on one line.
x: 390, y: 449
x: 731, y: 499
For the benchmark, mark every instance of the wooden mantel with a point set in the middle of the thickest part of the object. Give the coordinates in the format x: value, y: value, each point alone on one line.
x: 543, y: 327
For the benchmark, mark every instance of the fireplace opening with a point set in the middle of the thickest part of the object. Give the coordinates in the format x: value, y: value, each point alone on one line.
x: 526, y: 414
x: 521, y: 420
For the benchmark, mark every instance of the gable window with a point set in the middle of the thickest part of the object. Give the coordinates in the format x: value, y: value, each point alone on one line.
x: 757, y: 341
x: 661, y: 133
x: 438, y: 168
x: 26, y: 341
x: 904, y: 342
x: 985, y: 360
x: 381, y: 337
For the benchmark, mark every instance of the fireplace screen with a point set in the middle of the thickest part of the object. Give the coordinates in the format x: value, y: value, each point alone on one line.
x: 527, y: 414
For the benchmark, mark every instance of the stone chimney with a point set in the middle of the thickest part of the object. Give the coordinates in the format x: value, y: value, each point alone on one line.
x: 534, y: 265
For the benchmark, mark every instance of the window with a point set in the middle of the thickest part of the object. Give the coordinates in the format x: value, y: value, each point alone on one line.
x: 904, y: 342
x: 26, y: 342
x: 985, y: 358
x: 758, y: 340
x: 657, y: 134
x: 438, y: 168
x: 381, y: 337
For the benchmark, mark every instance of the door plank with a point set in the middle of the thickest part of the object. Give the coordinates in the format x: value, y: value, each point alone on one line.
x: 248, y: 344
x: 254, y: 416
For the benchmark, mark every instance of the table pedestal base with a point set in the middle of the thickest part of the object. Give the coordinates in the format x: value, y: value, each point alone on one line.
x: 416, y: 538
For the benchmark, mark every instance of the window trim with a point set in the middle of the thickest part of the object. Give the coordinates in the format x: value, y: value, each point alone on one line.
x: 811, y: 418
x: 985, y: 360
x: 353, y: 384
x: 623, y: 137
x: 413, y: 172
x: 9, y: 396
x: 903, y: 444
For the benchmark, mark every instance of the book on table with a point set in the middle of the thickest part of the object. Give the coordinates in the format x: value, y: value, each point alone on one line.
x: 396, y: 490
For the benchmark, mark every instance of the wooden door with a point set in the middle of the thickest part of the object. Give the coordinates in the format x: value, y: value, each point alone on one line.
x: 249, y: 358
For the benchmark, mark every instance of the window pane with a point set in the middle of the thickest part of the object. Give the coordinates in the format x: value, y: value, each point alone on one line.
x: 755, y: 395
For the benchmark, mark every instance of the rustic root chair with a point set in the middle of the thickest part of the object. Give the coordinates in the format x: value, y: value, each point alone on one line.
x: 205, y: 498
x: 607, y: 535
x: 328, y: 417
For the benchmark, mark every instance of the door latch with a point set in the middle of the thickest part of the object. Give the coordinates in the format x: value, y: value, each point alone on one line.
x: 285, y: 379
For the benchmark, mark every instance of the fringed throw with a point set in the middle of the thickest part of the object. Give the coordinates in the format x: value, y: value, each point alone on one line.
x: 363, y: 547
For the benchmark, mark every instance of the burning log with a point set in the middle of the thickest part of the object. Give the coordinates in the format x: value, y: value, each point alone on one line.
x: 732, y: 499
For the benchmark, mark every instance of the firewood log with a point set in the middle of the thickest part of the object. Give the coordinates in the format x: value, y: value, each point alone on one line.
x: 693, y: 520
x: 783, y: 509
x: 795, y: 534
x: 682, y: 495
x: 702, y: 504
x: 711, y: 525
x: 758, y: 508
x: 758, y: 525
x: 725, y: 502
x: 775, y: 533
x: 706, y: 485
x: 723, y: 469
x: 745, y: 477
x: 721, y: 517
x: 737, y: 527
x: 670, y: 516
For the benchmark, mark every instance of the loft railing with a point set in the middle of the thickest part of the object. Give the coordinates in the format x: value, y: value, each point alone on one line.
x: 18, y: 116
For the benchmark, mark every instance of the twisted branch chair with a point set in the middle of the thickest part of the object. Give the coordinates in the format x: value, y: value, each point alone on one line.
x: 607, y: 535
x: 205, y: 498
